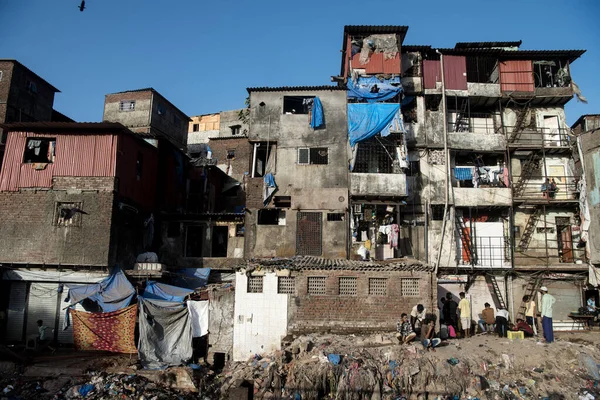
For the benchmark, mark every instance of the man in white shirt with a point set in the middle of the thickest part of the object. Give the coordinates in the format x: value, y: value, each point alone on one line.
x: 547, y: 302
x: 502, y: 321
x: 417, y: 315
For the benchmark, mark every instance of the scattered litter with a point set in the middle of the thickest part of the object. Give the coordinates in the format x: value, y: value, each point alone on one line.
x: 452, y: 361
x: 334, y: 358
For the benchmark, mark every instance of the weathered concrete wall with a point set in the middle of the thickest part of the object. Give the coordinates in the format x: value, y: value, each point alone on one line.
x: 280, y: 240
x: 434, y: 128
x: 481, y: 197
x: 220, y: 323
x: 363, y: 184
x: 477, y: 141
x: 415, y: 131
x: 448, y: 246
x: 433, y: 178
x: 361, y: 312
x: 590, y: 143
x: 483, y: 89
x: 30, y: 235
x: 168, y: 120
x: 510, y: 116
x: 137, y: 118
x: 230, y: 119
x: 239, y: 166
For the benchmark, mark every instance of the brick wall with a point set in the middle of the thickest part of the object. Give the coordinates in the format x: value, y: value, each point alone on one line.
x: 240, y: 164
x: 355, y: 313
x: 29, y: 233
x: 254, y: 193
x: 101, y: 183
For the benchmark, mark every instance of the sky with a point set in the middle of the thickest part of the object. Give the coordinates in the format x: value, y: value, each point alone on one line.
x: 202, y: 55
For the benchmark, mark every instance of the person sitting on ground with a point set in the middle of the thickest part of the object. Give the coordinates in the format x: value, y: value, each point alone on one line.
x: 417, y: 315
x: 502, y: 322
x: 405, y: 331
x: 427, y: 332
x: 487, y: 318
x: 465, y: 314
x: 44, y: 339
x: 524, y: 327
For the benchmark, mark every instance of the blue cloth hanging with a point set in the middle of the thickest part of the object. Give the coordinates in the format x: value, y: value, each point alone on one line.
x: 316, y: 119
x: 160, y: 291
x: 366, y: 120
x: 463, y: 173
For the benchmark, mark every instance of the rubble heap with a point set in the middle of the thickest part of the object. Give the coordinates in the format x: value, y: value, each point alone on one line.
x: 376, y: 367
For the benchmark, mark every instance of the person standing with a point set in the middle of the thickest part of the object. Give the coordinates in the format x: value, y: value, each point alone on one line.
x: 530, y: 311
x: 547, y: 303
x: 502, y: 322
x: 464, y: 306
x: 417, y: 315
x: 450, y: 307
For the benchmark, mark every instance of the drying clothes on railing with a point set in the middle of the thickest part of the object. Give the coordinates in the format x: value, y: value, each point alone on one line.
x: 269, y: 187
x: 463, y: 173
x: 112, y: 331
x: 367, y: 120
x: 393, y: 236
x: 160, y: 291
x: 316, y: 116
x: 165, y: 334
x: 373, y: 89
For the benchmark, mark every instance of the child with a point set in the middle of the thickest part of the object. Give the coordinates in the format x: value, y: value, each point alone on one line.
x: 406, y: 333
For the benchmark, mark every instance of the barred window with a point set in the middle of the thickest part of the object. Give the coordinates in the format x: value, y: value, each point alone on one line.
x: 286, y: 285
x: 127, y: 105
x: 377, y: 286
x: 410, y: 287
x: 316, y: 285
x: 348, y: 286
x: 255, y: 284
x: 335, y: 217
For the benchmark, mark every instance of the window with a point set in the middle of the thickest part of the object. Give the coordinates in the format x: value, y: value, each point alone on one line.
x: 31, y: 86
x: 271, y: 216
x: 316, y: 285
x: 377, y: 286
x: 348, y: 286
x: 286, y: 285
x: 437, y: 212
x: 235, y: 129
x: 261, y: 155
x: 160, y: 109
x: 194, y: 240
x: 139, y: 166
x: 68, y: 214
x: 309, y: 234
x: 39, y: 150
x: 231, y: 154
x: 282, y: 201
x: 378, y: 156
x: 255, y: 284
x: 173, y: 229
x: 195, y: 127
x: 297, y: 104
x: 333, y: 217
x: 410, y: 287
x: 543, y: 230
x: 313, y: 155
x: 127, y: 105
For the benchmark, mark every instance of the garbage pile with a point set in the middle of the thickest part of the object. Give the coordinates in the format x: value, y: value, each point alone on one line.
x: 376, y: 368
x: 94, y: 386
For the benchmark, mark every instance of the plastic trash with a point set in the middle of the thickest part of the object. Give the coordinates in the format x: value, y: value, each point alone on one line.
x: 483, y: 383
x: 587, y: 362
x: 85, y: 389
x: 8, y: 389
x: 452, y: 361
x: 334, y: 358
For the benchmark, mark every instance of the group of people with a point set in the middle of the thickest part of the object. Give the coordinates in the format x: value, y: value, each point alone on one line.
x: 421, y: 324
x: 549, y: 188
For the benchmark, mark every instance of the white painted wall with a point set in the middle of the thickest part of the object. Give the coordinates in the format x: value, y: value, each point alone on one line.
x: 260, y: 319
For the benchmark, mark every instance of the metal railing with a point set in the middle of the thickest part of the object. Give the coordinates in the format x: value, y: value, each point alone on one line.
x: 482, y: 123
x: 551, y: 254
x: 551, y: 189
x: 490, y: 252
x: 542, y: 137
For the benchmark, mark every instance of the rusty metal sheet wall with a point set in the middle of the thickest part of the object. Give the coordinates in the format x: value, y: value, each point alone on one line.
x: 455, y: 72
x: 392, y: 66
x: 516, y: 76
x: 11, y: 166
x: 377, y: 64
x: 432, y: 73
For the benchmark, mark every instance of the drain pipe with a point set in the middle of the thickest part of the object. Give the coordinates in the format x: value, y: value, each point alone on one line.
x: 447, y: 160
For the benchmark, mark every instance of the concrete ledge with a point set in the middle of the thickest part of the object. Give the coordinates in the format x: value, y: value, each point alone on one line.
x: 378, y: 184
x: 475, y: 197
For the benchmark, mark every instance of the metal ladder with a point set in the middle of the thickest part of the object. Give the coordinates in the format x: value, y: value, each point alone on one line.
x: 532, y: 287
x: 529, y: 229
x: 466, y: 240
x: 496, y: 290
x: 521, y: 115
x: 458, y: 126
x: 526, y: 171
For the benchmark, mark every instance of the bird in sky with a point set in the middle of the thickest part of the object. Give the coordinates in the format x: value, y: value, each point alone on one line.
x: 81, y: 6
x: 68, y: 213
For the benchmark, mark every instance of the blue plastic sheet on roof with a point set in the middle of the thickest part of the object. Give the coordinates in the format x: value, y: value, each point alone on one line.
x: 366, y: 120
x: 363, y: 88
x: 463, y: 173
x: 160, y: 291
x: 191, y: 278
x: 316, y: 119
x: 112, y: 294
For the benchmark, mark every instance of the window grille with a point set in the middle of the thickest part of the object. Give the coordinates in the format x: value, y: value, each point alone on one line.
x: 348, y: 286
x: 286, y: 285
x: 65, y: 214
x: 377, y: 286
x: 309, y: 234
x: 316, y: 285
x: 255, y: 284
x: 410, y: 287
x: 376, y: 155
x: 313, y: 156
x: 335, y: 217
x: 127, y: 105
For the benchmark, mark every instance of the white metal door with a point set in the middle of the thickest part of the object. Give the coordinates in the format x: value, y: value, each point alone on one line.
x: 16, y: 311
x: 41, y: 305
x: 551, y: 130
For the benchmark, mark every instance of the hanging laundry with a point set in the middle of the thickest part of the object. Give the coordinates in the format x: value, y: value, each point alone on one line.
x: 393, y: 236
x: 199, y: 317
x: 316, y: 117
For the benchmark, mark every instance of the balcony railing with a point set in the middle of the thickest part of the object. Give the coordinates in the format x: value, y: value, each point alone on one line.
x: 540, y: 137
x: 552, y: 254
x: 489, y: 252
x: 474, y: 123
x: 554, y: 189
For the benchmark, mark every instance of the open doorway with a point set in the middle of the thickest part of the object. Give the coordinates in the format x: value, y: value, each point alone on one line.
x: 219, y: 241
x: 565, y: 239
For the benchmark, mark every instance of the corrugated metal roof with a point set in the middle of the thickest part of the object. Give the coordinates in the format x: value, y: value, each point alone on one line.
x: 294, y: 88
x: 415, y: 47
x: 39, y: 77
x: 319, y: 263
x: 462, y: 45
x: 374, y: 29
x: 67, y: 127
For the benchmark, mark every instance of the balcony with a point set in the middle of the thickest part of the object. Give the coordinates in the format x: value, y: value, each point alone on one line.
x: 374, y: 184
x: 489, y: 252
x: 475, y: 131
x: 555, y: 189
x: 555, y: 140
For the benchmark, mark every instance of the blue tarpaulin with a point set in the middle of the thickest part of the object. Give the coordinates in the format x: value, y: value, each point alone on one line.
x: 373, y: 89
x: 270, y: 187
x: 191, y: 278
x: 366, y: 120
x: 160, y: 291
x: 463, y: 173
x: 316, y: 119
x: 111, y: 294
